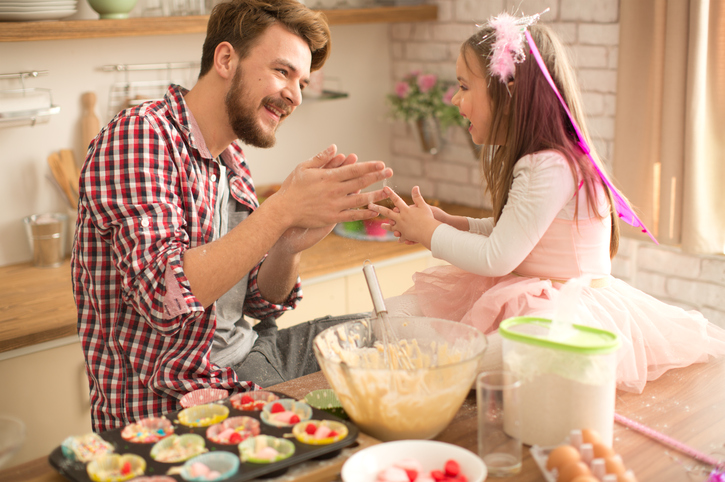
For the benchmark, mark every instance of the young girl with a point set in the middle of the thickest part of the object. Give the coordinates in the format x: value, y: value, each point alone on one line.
x: 554, y: 218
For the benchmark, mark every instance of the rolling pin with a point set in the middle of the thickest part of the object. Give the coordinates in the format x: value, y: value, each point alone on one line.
x: 90, y: 126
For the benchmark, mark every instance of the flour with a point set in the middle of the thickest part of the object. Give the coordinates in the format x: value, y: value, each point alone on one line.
x: 561, y: 391
x: 551, y: 406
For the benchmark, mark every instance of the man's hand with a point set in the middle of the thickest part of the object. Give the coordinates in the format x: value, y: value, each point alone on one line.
x: 327, y: 190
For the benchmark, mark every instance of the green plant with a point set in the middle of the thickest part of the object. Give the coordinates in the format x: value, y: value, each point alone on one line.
x: 420, y: 95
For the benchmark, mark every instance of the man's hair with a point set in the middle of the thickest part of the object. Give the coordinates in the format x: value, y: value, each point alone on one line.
x: 242, y: 22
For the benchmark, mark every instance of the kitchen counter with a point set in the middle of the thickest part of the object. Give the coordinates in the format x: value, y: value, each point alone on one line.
x: 687, y: 404
x: 37, y: 303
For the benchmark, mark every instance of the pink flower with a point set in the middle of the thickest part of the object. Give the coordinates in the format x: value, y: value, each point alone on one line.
x: 402, y: 89
x: 413, y: 74
x: 448, y: 96
x: 427, y: 82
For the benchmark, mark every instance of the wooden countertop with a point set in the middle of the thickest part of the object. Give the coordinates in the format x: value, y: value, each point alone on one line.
x: 37, y: 303
x: 687, y: 404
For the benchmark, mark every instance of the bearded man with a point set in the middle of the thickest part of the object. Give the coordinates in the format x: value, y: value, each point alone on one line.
x: 173, y: 252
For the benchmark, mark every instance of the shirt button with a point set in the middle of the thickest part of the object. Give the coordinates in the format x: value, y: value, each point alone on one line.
x: 213, y: 178
x: 145, y: 222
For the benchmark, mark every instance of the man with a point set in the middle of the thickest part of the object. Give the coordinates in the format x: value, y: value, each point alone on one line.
x: 172, y: 249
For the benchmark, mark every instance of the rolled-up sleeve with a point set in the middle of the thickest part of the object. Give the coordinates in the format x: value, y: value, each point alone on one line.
x: 255, y: 306
x: 138, y: 209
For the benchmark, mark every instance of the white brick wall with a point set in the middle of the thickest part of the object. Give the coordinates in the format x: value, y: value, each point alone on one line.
x: 692, y: 282
x: 590, y: 28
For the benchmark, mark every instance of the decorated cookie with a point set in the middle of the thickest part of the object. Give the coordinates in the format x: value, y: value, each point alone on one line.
x: 148, y: 430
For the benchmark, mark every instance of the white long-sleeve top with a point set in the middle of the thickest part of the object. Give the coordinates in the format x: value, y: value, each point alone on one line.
x: 537, y: 223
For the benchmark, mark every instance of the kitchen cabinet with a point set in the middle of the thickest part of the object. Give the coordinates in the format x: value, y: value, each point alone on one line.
x: 345, y: 292
x: 48, y: 391
x: 139, y: 26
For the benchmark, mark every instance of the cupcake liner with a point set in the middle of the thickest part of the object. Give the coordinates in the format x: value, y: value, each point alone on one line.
x: 226, y: 464
x: 84, y: 448
x: 115, y: 467
x: 259, y: 399
x: 178, y: 448
x: 251, y: 449
x: 326, y: 399
x: 244, y: 426
x: 301, y: 409
x: 301, y: 434
x: 148, y: 430
x: 203, y: 415
x: 203, y: 396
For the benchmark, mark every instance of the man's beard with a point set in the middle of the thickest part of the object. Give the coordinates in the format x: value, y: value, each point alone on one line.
x: 243, y: 116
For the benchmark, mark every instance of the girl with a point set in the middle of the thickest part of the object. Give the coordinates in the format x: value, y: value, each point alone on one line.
x: 554, y: 216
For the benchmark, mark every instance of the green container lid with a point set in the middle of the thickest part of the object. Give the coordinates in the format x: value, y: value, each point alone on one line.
x: 584, y: 340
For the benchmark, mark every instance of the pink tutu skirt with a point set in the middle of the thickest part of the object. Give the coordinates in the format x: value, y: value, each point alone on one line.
x: 655, y: 336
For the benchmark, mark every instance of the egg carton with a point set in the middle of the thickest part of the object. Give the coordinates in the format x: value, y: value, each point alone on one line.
x: 541, y: 455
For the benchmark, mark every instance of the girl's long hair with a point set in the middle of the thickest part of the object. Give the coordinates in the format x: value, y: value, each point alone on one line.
x: 527, y: 118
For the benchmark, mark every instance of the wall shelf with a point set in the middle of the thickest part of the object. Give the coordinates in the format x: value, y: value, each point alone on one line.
x: 140, y: 26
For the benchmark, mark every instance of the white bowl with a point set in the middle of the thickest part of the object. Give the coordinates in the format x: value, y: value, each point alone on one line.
x: 365, y: 465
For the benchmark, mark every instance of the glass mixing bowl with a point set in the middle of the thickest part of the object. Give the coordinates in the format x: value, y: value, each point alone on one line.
x: 401, y: 403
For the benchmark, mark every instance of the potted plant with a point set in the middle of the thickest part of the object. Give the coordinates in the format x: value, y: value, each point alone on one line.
x: 425, y: 102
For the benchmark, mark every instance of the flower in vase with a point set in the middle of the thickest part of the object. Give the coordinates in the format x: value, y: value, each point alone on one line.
x: 420, y: 96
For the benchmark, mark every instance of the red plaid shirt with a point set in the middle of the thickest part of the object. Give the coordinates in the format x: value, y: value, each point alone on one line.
x: 148, y: 191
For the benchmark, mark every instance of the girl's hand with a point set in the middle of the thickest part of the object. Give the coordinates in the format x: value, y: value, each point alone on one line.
x: 412, y: 224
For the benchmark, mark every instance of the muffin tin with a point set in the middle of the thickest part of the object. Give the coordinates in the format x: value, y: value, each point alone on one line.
x: 76, y: 470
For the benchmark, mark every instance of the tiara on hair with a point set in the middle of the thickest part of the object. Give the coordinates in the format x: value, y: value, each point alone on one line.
x: 508, y: 45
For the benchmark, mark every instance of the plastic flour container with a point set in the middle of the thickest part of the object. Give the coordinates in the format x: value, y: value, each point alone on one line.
x: 567, y: 382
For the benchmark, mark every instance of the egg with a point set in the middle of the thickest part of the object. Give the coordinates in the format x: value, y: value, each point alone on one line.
x: 585, y: 478
x: 571, y: 471
x: 601, y: 451
x: 628, y: 476
x: 561, y: 456
x: 590, y: 436
x: 614, y: 465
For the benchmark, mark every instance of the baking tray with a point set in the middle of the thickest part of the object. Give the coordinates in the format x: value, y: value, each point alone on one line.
x: 76, y: 471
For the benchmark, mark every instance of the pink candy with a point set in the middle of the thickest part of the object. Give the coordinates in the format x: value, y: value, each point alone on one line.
x: 267, y: 453
x: 200, y: 470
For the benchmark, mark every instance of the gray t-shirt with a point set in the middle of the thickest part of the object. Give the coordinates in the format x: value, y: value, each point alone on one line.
x: 234, y: 336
